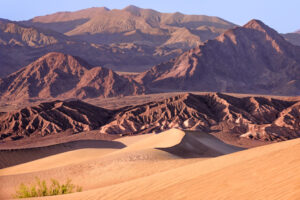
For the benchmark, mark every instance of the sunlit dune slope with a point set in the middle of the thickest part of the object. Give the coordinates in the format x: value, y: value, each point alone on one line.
x: 268, y: 172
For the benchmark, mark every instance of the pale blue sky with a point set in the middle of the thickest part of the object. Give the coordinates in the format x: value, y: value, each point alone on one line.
x: 283, y: 15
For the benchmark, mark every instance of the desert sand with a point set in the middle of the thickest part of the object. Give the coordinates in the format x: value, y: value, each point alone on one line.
x: 152, y: 167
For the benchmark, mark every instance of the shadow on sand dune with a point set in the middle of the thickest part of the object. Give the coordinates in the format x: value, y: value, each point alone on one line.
x: 200, y: 145
x: 17, y: 156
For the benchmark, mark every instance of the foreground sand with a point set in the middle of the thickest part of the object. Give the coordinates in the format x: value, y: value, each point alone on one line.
x: 151, y: 168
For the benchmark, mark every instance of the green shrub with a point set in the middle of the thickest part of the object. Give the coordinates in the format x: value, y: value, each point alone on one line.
x: 40, y: 189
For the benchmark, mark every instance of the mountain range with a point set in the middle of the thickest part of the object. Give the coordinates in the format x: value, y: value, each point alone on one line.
x: 249, y: 59
x: 29, y: 43
x: 106, y: 38
x: 139, y: 26
x: 134, y: 25
x: 253, y: 58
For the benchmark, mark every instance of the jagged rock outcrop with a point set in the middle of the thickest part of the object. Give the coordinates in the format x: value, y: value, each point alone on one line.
x: 51, y: 118
x: 255, y: 118
x: 61, y: 75
x: 261, y: 118
x: 249, y: 59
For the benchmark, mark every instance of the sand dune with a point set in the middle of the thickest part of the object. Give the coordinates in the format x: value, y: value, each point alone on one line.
x: 109, y: 167
x: 178, y: 143
x: 151, y: 167
x: 268, y: 172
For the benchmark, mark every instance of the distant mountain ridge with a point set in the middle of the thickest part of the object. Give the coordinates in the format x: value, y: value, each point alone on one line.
x: 28, y: 43
x: 133, y: 25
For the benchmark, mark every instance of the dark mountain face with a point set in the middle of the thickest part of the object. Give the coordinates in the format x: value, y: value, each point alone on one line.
x: 249, y: 59
x: 61, y: 75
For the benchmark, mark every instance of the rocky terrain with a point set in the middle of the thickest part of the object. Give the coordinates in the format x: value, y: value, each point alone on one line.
x: 252, y: 117
x: 256, y: 118
x: 60, y: 75
x: 249, y: 59
x: 50, y: 118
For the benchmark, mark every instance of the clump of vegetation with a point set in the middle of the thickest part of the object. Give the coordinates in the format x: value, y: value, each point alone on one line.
x: 40, y: 189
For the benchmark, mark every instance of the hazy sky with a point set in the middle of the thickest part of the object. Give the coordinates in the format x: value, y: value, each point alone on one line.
x: 283, y: 15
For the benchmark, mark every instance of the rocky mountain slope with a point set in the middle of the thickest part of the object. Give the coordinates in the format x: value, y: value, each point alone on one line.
x: 60, y: 75
x: 51, y: 118
x: 255, y: 118
x: 134, y: 25
x: 258, y: 118
x: 249, y: 59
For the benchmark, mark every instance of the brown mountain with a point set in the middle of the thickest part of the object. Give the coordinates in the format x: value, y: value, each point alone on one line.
x: 249, y: 59
x: 61, y: 75
x: 147, y: 36
x: 260, y: 118
x: 51, y: 118
x: 133, y: 25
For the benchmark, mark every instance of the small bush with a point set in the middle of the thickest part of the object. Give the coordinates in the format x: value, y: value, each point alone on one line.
x: 40, y: 189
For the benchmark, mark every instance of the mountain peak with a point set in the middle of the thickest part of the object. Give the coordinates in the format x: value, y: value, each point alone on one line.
x: 257, y: 25
x: 57, y: 59
x: 104, y: 8
x: 132, y: 9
